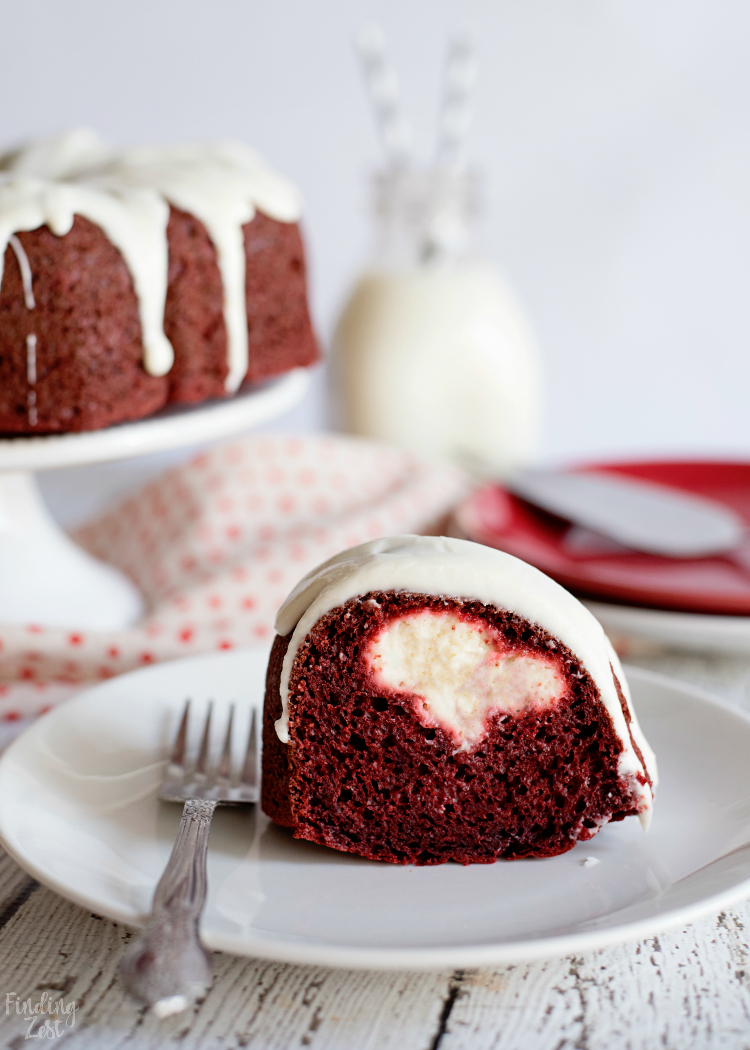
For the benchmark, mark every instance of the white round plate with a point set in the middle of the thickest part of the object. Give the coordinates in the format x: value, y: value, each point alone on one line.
x: 78, y: 811
x: 690, y: 632
x: 170, y: 428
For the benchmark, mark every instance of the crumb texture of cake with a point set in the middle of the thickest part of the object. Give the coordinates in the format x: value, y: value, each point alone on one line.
x: 202, y: 272
x: 430, y: 699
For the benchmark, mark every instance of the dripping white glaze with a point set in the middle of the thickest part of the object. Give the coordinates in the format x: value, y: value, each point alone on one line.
x: 221, y: 185
x: 134, y: 220
x: 31, y: 359
x: 28, y: 297
x: 460, y: 569
x: 31, y: 378
x: 126, y: 193
x: 23, y: 266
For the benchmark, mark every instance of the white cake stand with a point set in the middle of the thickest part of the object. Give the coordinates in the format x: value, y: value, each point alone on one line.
x: 45, y: 578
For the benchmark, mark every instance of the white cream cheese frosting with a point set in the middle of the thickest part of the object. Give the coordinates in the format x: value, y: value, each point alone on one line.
x: 460, y: 569
x: 57, y: 157
x: 127, y: 192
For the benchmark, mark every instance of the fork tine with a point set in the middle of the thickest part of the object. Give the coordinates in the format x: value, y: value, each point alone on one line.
x: 177, y: 758
x: 224, y: 770
x: 249, y: 775
x: 202, y: 764
x: 203, y: 777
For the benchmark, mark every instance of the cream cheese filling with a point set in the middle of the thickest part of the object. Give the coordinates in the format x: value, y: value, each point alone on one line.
x: 459, y: 673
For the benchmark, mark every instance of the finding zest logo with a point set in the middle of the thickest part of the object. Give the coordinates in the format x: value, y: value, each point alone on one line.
x: 46, y: 1019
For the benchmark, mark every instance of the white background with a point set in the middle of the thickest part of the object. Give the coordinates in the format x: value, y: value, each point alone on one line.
x: 614, y: 135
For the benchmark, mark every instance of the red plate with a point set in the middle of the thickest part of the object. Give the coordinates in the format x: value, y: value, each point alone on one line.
x: 707, y: 585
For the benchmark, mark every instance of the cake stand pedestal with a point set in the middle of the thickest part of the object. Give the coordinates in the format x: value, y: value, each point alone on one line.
x: 45, y: 578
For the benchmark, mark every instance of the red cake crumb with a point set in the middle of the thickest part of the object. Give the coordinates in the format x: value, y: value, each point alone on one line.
x: 280, y: 333
x: 363, y: 774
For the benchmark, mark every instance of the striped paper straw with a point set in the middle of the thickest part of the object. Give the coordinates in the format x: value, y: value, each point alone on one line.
x: 456, y: 113
x: 383, y: 89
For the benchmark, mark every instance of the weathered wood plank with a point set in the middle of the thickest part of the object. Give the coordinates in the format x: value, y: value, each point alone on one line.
x: 51, y: 945
x: 16, y: 887
x: 688, y: 989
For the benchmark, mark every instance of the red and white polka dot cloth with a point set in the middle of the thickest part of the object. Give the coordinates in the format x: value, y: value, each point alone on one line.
x: 215, y: 546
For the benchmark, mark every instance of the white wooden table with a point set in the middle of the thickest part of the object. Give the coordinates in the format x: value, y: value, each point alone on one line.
x: 686, y: 989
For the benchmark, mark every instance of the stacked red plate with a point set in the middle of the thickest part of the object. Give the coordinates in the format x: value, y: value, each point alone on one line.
x: 716, y: 585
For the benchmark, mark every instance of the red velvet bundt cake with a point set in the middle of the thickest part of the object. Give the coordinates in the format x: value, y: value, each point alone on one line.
x: 136, y: 279
x: 431, y: 699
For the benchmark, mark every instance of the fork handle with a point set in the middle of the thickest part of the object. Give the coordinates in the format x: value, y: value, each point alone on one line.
x: 167, y: 966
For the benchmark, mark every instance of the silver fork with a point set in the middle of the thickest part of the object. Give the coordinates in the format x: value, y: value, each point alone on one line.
x: 167, y: 967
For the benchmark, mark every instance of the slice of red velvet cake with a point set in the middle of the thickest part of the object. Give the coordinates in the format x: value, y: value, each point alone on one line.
x: 431, y: 699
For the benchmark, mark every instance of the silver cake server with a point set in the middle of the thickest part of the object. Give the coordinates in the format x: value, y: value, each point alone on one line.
x: 641, y: 515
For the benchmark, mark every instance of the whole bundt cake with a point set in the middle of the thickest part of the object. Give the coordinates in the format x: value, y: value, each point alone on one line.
x: 135, y: 279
